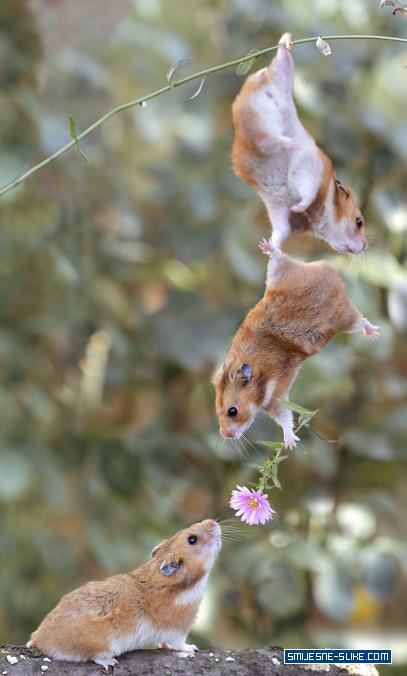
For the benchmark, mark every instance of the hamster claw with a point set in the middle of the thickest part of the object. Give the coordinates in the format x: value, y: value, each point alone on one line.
x: 290, y: 441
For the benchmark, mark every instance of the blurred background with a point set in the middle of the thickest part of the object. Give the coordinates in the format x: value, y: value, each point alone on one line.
x: 122, y: 282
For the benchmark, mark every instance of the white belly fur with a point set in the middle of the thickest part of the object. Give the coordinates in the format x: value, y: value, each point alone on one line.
x: 145, y: 636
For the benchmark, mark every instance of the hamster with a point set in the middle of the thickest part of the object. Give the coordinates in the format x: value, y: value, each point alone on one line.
x: 156, y: 603
x: 275, y: 155
x: 304, y: 306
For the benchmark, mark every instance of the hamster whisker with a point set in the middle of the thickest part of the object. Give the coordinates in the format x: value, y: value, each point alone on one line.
x: 229, y: 525
x: 233, y: 527
x: 227, y: 451
x: 234, y: 535
x: 229, y: 539
x: 249, y: 442
x: 240, y: 450
x: 244, y: 446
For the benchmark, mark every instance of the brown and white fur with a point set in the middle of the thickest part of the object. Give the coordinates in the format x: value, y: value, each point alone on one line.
x: 275, y: 155
x: 156, y: 603
x: 304, y: 306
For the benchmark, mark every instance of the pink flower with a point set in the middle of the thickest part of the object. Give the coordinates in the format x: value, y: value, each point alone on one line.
x: 253, y: 506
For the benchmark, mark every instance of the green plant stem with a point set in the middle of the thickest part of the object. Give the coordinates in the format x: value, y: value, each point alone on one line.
x: 178, y: 83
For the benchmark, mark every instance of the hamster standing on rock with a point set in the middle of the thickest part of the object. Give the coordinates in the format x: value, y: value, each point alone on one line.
x: 156, y: 603
x: 274, y: 154
x: 304, y: 306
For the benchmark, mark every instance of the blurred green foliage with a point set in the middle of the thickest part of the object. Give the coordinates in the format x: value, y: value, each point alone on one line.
x: 122, y: 282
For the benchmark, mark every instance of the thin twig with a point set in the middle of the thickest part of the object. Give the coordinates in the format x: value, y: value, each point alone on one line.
x: 178, y: 83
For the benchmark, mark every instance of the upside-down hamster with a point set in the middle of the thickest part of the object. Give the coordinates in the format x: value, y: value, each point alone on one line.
x: 156, y: 603
x: 304, y: 306
x: 274, y: 154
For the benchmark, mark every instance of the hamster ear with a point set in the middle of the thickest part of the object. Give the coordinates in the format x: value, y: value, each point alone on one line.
x: 155, y: 550
x: 342, y: 188
x: 245, y: 373
x: 167, y: 567
x: 219, y: 374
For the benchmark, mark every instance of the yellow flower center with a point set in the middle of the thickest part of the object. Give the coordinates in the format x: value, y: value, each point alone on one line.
x: 253, y: 503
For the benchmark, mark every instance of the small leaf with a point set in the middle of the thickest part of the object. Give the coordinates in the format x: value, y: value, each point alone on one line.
x: 277, y: 445
x: 304, y: 420
x: 296, y: 407
x: 276, y: 481
x: 198, y: 91
x: 179, y: 63
x: 74, y: 136
x: 323, y: 46
x: 245, y: 66
x: 280, y: 458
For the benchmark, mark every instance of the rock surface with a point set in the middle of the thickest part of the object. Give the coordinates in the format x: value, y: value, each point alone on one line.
x: 261, y: 662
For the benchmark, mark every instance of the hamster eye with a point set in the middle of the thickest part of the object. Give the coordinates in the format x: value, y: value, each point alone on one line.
x: 359, y: 222
x: 232, y: 411
x: 192, y: 539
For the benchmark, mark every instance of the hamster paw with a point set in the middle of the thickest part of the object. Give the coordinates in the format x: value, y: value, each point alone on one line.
x: 105, y: 660
x: 290, y: 440
x: 371, y: 331
x: 289, y: 142
x: 185, y: 647
x: 286, y: 40
x: 266, y: 247
x: 190, y: 647
x: 300, y: 207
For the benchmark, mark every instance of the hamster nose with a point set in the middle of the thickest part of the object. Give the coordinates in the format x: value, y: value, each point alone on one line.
x: 212, y: 525
x: 213, y: 528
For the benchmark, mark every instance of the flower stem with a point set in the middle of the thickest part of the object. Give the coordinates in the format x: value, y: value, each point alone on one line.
x: 172, y: 85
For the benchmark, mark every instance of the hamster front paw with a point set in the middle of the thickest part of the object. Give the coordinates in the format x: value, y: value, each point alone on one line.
x: 289, y: 142
x: 106, y: 660
x: 286, y: 40
x: 300, y: 207
x: 290, y: 440
x: 190, y: 648
x: 371, y: 331
x: 266, y: 247
x: 182, y: 647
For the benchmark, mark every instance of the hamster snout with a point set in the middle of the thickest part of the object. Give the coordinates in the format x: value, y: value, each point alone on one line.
x: 213, y: 529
